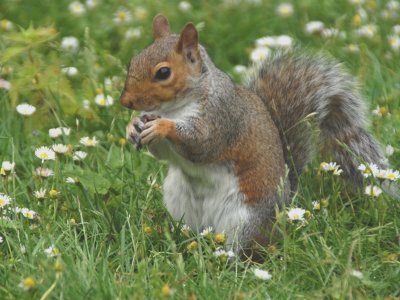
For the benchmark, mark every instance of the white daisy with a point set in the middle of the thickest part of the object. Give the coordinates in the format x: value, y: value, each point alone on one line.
x: 316, y: 205
x: 284, y: 10
x: 70, y: 43
x: 60, y: 148
x: 284, y: 41
x: 79, y: 155
x: 86, y: 104
x: 4, y: 200
x: 45, y: 153
x: 394, y: 42
x: 314, y: 27
x: 352, y: 48
x: 389, y: 150
x: 261, y: 274
x: 25, y: 109
x: 240, y: 69
x: 44, y: 172
x: 368, y: 170
x: 52, y: 251
x: 56, y: 132
x: 357, y: 274
x: 379, y: 111
x: 185, y: 229
x: 6, y: 25
x: 331, y: 167
x: 122, y: 16
x: 70, y: 71
x: 296, y: 214
x: 133, y: 33
x: 90, y: 3
x: 392, y: 175
x: 207, y: 231
x: 280, y: 41
x: 266, y: 41
x: 102, y: 100
x: 373, y: 190
x: 27, y: 213
x: 40, y: 194
x: 27, y: 283
x: 381, y: 174
x: 333, y: 32
x: 184, y: 6
x: 7, y: 166
x: 393, y: 5
x: 90, y: 142
x: 396, y: 29
x: 70, y: 180
x: 1, y: 239
x: 222, y: 252
x: 77, y: 8
x: 4, y: 84
x: 367, y: 31
x: 259, y: 54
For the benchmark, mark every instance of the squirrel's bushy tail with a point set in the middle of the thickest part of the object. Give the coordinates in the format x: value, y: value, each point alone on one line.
x: 296, y: 88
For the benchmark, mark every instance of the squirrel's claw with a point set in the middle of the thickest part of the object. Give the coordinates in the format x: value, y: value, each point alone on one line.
x: 148, y: 134
x: 133, y: 131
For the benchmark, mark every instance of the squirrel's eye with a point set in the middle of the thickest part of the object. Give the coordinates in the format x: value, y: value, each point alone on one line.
x: 163, y: 73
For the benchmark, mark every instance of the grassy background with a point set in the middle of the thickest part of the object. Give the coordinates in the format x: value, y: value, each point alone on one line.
x: 121, y: 244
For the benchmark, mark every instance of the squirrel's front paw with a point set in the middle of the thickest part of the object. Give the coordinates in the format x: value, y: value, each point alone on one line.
x: 133, y: 130
x: 135, y: 127
x: 158, y: 129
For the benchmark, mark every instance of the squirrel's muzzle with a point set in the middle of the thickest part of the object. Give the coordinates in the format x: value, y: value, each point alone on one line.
x: 126, y: 100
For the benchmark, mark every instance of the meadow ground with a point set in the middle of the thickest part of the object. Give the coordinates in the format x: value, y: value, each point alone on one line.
x: 89, y: 223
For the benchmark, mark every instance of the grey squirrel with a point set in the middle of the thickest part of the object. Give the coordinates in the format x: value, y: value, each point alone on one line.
x: 227, y: 145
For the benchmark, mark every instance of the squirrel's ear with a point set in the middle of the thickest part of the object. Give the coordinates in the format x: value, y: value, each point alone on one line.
x: 160, y: 27
x: 188, y: 42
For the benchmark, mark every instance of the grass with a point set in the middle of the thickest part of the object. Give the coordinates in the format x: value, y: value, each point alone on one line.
x: 115, y: 238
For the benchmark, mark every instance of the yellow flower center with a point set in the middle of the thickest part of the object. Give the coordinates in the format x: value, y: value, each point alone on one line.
x: 2, y: 202
x: 356, y: 20
x: 5, y: 24
x: 219, y: 238
x: 382, y: 110
x: 44, y: 155
x: 147, y: 230
x: 391, y: 176
x: 122, y: 15
x: 166, y: 290
x: 141, y: 14
x: 367, y: 171
x: 29, y: 283
x: 55, y: 252
x: 192, y: 246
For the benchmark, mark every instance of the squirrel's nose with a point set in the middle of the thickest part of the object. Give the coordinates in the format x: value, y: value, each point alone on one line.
x: 126, y: 100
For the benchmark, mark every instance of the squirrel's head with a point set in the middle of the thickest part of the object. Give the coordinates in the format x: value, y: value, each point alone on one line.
x: 164, y: 69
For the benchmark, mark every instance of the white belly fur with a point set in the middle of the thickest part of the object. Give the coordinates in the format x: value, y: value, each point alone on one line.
x: 207, y: 195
